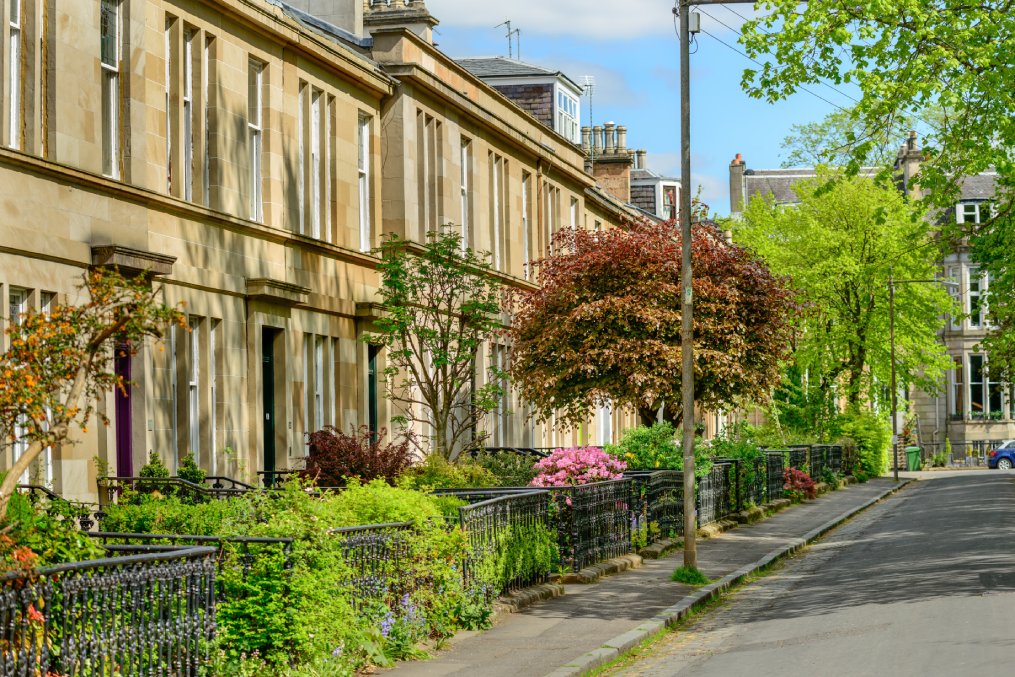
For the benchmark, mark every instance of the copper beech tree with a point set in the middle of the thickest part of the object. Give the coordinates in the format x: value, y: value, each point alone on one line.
x: 60, y: 363
x: 603, y: 327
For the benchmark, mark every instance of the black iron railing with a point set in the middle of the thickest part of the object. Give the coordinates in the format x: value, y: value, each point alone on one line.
x: 111, y: 488
x: 593, y: 522
x: 775, y: 467
x: 835, y: 458
x: 818, y: 461
x: 798, y: 457
x: 378, y: 557
x: 657, y: 503
x: 86, y: 514
x: 491, y: 522
x: 150, y: 614
x: 236, y: 553
x: 716, y: 495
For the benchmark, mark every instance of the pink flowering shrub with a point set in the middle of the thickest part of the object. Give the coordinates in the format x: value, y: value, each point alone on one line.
x: 577, y: 465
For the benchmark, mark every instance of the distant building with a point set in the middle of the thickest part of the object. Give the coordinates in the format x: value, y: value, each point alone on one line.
x: 970, y: 407
x: 654, y: 193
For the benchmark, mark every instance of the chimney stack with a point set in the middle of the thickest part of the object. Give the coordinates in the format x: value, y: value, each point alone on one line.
x: 737, y: 184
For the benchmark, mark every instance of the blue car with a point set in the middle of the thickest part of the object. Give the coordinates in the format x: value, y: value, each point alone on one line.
x: 1002, y: 458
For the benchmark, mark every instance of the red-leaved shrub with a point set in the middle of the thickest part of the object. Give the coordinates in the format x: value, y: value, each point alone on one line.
x: 335, y: 455
x: 798, y: 484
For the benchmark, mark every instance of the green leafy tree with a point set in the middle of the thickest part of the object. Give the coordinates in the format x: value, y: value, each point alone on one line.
x: 903, y: 58
x: 604, y: 324
x: 839, y: 245
x: 60, y: 364
x: 441, y: 306
x: 832, y: 141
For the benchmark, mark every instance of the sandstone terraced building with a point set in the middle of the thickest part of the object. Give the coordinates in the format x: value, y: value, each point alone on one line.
x: 250, y: 154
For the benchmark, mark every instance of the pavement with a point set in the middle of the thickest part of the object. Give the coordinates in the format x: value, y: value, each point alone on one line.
x: 591, y: 624
x: 921, y: 585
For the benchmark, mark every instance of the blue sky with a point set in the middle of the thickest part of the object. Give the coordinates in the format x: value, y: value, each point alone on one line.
x: 632, y: 50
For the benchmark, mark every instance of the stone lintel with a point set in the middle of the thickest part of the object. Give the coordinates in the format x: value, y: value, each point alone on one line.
x: 132, y: 262
x: 277, y: 291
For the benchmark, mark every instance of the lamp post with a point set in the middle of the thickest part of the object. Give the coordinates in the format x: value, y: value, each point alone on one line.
x: 891, y: 339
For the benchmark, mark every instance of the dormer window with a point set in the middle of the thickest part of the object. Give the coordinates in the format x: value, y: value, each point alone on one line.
x: 972, y: 212
x: 567, y: 116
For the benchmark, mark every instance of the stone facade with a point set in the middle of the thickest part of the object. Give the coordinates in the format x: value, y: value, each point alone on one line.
x: 256, y: 161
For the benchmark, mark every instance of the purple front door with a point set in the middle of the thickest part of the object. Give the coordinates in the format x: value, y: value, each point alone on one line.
x: 124, y: 455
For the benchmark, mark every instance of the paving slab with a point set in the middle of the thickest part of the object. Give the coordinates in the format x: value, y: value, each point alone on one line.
x: 564, y: 634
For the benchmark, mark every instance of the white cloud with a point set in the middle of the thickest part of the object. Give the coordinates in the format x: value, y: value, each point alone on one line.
x: 606, y: 20
x: 599, y: 20
x: 611, y: 87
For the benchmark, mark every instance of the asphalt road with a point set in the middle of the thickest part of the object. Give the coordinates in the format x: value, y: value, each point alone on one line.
x: 922, y: 584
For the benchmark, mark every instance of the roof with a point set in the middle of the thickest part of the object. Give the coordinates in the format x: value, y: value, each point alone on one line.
x: 494, y: 67
x: 645, y: 174
x: 322, y: 27
x: 779, y: 182
x: 979, y: 187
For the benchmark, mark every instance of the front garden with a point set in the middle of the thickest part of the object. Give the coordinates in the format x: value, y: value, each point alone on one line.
x: 309, y: 580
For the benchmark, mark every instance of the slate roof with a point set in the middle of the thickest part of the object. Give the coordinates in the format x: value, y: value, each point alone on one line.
x: 779, y: 182
x: 979, y: 187
x: 322, y: 27
x: 495, y: 67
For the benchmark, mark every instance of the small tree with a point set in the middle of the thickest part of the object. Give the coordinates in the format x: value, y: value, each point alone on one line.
x: 60, y: 364
x: 604, y: 325
x: 440, y: 307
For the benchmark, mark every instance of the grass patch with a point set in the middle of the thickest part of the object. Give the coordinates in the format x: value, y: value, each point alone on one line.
x: 690, y: 576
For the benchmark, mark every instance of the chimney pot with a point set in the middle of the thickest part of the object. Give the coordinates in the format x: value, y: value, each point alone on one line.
x: 639, y: 159
x: 610, y: 131
x: 621, y: 139
x: 597, y: 139
x: 586, y: 139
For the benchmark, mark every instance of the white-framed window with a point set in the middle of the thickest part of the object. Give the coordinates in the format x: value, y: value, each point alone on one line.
x: 315, y: 163
x: 14, y: 81
x: 466, y: 188
x: 188, y: 114
x: 977, y: 387
x: 308, y: 346
x: 957, y: 407
x: 973, y: 211
x: 568, y: 124
x: 319, y: 382
x: 526, y: 236
x: 213, y: 369
x: 954, y: 274
x: 363, y: 169
x: 502, y: 412
x: 174, y: 345
x: 497, y: 205
x: 976, y: 292
x: 109, y: 47
x: 605, y: 420
x: 207, y: 64
x: 194, y: 388
x: 17, y: 306
x: 170, y: 88
x: 255, y: 141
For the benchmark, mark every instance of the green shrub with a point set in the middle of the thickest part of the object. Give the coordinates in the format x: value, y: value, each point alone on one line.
x: 190, y: 471
x: 508, y: 468
x: 273, y: 618
x: 437, y: 473
x: 736, y: 442
x: 868, y: 437
x: 154, y: 467
x: 655, y: 448
x: 49, y: 529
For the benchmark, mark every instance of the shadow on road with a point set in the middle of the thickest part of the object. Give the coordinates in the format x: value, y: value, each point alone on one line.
x: 953, y: 536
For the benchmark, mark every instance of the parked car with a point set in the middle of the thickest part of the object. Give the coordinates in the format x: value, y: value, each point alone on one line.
x: 1003, y: 457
